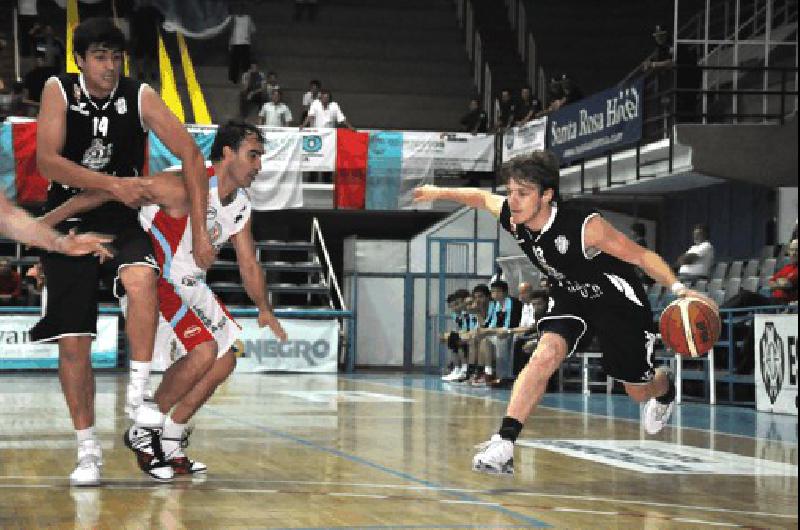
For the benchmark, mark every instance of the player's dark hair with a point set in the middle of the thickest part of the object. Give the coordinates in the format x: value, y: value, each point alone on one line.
x: 462, y: 294
x: 98, y: 31
x: 499, y: 284
x: 540, y: 168
x: 232, y: 134
x: 481, y: 288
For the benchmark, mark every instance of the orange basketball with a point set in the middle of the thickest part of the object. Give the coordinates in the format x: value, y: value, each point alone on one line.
x: 690, y: 326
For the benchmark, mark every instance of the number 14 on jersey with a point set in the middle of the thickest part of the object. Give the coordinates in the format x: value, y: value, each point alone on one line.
x: 100, y: 125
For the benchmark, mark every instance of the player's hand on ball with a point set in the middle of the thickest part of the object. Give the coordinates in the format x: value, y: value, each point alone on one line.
x: 425, y: 193
x: 689, y: 293
x: 268, y: 319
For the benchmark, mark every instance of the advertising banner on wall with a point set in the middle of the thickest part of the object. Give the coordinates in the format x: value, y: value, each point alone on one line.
x: 313, y: 346
x: 523, y: 140
x: 17, y: 352
x: 597, y: 124
x: 776, y: 363
x: 399, y: 161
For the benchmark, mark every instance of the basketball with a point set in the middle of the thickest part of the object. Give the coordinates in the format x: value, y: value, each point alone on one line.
x: 690, y: 326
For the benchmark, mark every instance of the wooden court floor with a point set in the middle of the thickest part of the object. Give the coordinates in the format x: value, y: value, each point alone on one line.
x: 393, y: 451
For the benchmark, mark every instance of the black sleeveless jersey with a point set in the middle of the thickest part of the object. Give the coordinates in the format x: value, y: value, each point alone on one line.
x: 102, y: 135
x: 558, y: 251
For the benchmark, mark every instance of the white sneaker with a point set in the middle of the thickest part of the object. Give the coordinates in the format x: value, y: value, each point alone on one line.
x: 453, y: 375
x: 494, y: 457
x: 91, y: 447
x: 656, y: 415
x: 87, y: 472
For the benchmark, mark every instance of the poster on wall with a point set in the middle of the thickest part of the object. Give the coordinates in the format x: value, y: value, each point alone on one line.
x: 525, y: 139
x: 312, y: 346
x: 776, y: 363
x: 17, y: 352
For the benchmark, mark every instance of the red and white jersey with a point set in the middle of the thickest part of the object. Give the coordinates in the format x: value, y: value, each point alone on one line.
x: 172, y: 237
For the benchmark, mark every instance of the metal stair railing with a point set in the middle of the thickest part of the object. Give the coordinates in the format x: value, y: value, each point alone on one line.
x: 329, y: 273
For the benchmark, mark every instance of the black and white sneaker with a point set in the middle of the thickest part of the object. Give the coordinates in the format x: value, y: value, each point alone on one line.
x: 145, y: 443
x: 181, y: 464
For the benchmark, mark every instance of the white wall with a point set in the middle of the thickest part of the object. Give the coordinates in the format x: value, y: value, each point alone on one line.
x: 787, y: 213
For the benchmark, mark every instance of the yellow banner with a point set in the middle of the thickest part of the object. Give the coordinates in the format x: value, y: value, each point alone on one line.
x: 169, y: 90
x: 72, y: 21
x: 199, y: 108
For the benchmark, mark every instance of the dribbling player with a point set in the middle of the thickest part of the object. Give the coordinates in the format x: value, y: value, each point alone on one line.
x: 594, y: 289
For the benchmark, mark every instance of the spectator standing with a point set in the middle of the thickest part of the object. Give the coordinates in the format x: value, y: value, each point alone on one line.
x: 475, y: 121
x: 275, y: 113
x: 324, y: 112
x: 696, y: 262
x: 145, y: 21
x: 504, y: 110
x: 314, y: 86
x: 251, y: 86
x: 10, y: 284
x: 239, y: 45
x: 34, y: 83
x: 784, y: 282
x: 527, y: 107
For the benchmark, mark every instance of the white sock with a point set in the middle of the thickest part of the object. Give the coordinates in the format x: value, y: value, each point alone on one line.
x: 171, y: 438
x: 85, y: 434
x: 149, y: 417
x: 488, y: 370
x: 140, y: 373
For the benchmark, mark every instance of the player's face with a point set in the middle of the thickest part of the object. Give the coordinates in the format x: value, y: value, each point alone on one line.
x: 524, y: 200
x: 247, y: 161
x: 101, y: 68
x: 498, y: 295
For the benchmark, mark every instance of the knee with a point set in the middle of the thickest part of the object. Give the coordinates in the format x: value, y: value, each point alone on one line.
x: 138, y: 279
x: 205, y: 355
x: 638, y: 393
x: 549, y: 353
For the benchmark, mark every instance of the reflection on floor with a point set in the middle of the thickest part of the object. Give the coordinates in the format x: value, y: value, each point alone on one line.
x: 394, y: 451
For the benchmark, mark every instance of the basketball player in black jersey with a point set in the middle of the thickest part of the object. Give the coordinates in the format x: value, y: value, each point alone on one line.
x: 92, y: 135
x: 594, y: 290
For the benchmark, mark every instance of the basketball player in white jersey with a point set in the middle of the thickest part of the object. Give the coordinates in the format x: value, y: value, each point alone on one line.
x: 594, y: 289
x: 190, y: 312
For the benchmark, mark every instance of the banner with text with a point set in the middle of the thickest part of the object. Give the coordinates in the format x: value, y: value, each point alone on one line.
x: 599, y: 123
x: 17, y: 352
x: 313, y: 346
x: 399, y: 161
x: 776, y: 363
x: 523, y: 140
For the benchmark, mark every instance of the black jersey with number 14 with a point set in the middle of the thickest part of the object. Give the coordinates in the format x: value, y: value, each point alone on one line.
x: 104, y: 135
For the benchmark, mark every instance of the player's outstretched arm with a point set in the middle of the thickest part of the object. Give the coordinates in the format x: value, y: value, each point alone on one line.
x: 601, y: 235
x: 84, y: 201
x: 17, y: 224
x: 474, y: 197
x: 255, y: 284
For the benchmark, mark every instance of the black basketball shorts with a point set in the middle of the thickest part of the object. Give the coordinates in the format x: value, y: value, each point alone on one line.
x: 624, y: 331
x: 70, y: 307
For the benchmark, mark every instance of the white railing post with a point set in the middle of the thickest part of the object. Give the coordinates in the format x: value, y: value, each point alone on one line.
x: 316, y: 231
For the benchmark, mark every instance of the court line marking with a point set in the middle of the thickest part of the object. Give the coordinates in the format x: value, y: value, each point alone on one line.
x: 579, y: 510
x: 359, y: 460
x: 367, y: 495
x: 562, y: 409
x: 477, y: 503
x: 700, y: 521
x: 109, y: 482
